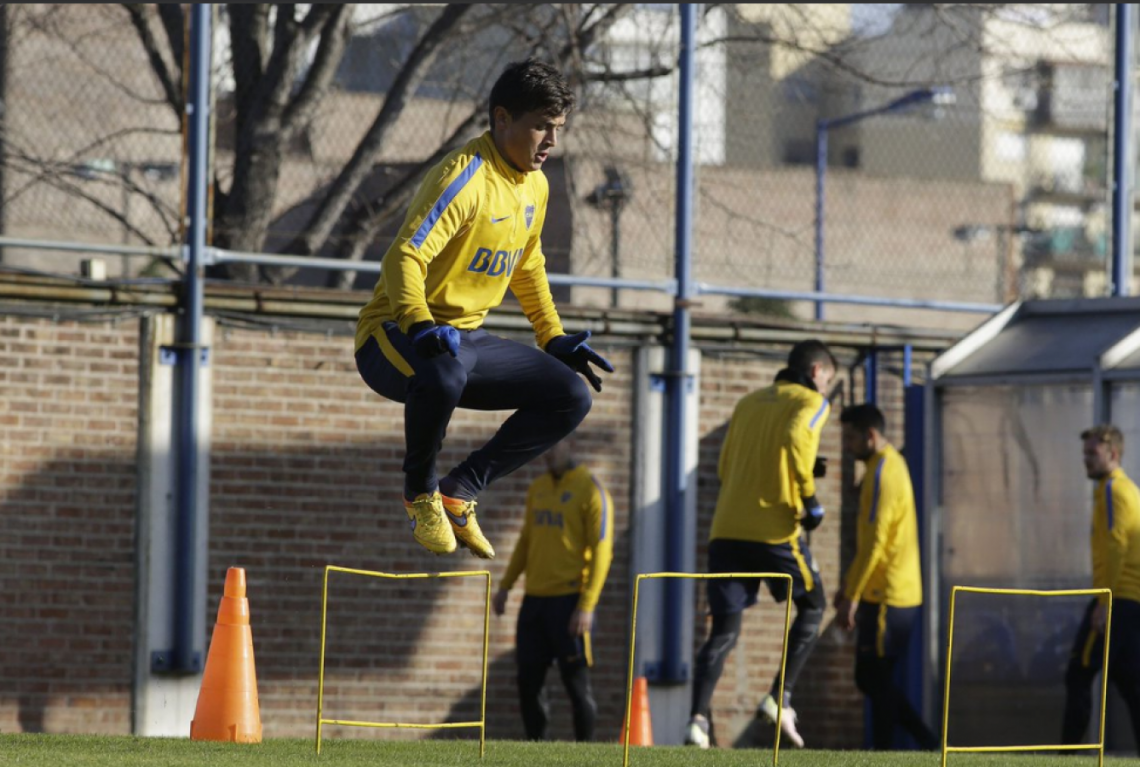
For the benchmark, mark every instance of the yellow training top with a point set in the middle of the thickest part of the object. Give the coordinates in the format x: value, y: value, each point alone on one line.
x: 1116, y: 536
x: 566, y: 544
x: 886, y: 567
x: 472, y: 230
x: 766, y: 463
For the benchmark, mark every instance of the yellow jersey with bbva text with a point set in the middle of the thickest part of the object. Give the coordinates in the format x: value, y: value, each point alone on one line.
x: 472, y: 231
x: 567, y: 539
x: 766, y: 463
x: 886, y: 568
x: 1116, y: 536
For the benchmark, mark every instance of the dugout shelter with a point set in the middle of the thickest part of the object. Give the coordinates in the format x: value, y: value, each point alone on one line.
x: 1006, y: 504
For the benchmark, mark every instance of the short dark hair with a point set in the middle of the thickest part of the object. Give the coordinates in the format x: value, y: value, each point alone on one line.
x: 807, y: 353
x: 531, y: 86
x: 864, y: 417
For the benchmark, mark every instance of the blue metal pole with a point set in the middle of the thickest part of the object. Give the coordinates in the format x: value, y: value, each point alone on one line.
x: 871, y: 377
x: 1122, y: 144
x: 185, y: 657
x: 907, y: 362
x: 820, y: 174
x: 1122, y: 154
x: 672, y: 667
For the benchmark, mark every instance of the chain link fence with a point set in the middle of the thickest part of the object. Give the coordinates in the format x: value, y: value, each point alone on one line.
x: 966, y: 157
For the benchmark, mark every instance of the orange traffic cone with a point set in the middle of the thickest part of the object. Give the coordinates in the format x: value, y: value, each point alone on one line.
x: 639, y: 723
x: 227, y: 701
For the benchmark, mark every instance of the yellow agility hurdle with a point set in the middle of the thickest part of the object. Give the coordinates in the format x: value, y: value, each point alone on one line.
x: 481, y: 724
x: 1099, y: 747
x: 705, y: 576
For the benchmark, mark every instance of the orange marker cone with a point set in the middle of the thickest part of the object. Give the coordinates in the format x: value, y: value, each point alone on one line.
x: 227, y: 701
x: 639, y: 723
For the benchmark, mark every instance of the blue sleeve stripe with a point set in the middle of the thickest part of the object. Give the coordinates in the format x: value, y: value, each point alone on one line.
x: 819, y: 414
x: 605, y: 509
x: 1108, y: 501
x: 449, y: 194
x: 875, y: 491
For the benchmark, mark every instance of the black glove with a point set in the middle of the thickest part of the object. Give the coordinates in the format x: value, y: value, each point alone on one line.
x: 820, y: 468
x: 813, y: 513
x: 431, y: 340
x: 577, y: 355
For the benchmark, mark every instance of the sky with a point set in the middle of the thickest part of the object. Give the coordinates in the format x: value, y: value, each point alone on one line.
x: 872, y: 18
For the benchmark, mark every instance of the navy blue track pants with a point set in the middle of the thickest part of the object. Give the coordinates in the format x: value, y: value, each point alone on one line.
x: 491, y: 373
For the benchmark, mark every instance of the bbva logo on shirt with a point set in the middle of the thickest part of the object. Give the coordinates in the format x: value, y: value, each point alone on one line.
x: 494, y: 263
x: 548, y: 518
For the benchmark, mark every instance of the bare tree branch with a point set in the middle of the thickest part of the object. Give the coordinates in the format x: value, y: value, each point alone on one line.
x: 173, y: 19
x: 249, y: 36
x: 170, y: 87
x: 72, y: 189
x: 371, y: 218
x: 330, y: 50
x: 357, y: 168
x: 272, y: 89
x: 618, y: 77
x: 81, y: 152
x: 588, y: 35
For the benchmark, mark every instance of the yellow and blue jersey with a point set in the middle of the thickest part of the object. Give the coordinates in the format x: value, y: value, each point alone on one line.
x: 472, y: 231
x: 1116, y: 536
x: 766, y: 463
x: 566, y: 545
x: 886, y: 569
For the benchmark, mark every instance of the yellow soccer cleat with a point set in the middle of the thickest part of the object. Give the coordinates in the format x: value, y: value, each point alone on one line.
x: 461, y: 515
x: 429, y: 527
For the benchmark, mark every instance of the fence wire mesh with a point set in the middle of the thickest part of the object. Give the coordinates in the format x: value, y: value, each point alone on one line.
x: 326, y: 117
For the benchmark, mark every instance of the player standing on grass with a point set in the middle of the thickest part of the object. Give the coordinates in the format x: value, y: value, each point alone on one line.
x: 767, y: 470
x: 473, y: 231
x: 882, y: 591
x: 1116, y: 565
x: 565, y: 548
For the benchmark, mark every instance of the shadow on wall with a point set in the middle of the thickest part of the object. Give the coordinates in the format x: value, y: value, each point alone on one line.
x: 67, y: 580
x: 502, y: 703
x: 68, y: 554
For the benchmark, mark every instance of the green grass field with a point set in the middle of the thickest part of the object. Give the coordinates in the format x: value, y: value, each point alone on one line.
x: 105, y: 751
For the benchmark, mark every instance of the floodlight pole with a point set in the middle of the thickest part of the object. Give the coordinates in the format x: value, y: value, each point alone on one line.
x: 920, y: 96
x: 187, y: 656
x: 673, y: 669
x: 1121, y: 276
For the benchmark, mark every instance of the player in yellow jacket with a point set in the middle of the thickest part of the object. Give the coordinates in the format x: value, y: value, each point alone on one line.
x: 1115, y: 565
x: 768, y: 465
x: 882, y: 591
x: 565, y: 548
x: 473, y: 231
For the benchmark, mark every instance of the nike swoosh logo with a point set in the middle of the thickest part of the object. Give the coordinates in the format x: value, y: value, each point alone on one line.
x: 458, y: 521
x: 497, y: 220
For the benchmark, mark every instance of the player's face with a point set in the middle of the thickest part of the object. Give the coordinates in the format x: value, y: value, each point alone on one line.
x: 857, y: 443
x: 526, y: 142
x: 821, y: 376
x: 560, y: 457
x: 1100, y: 459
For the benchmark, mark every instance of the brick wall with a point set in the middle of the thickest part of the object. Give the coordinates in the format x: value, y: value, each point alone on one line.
x: 67, y: 508
x: 305, y: 472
